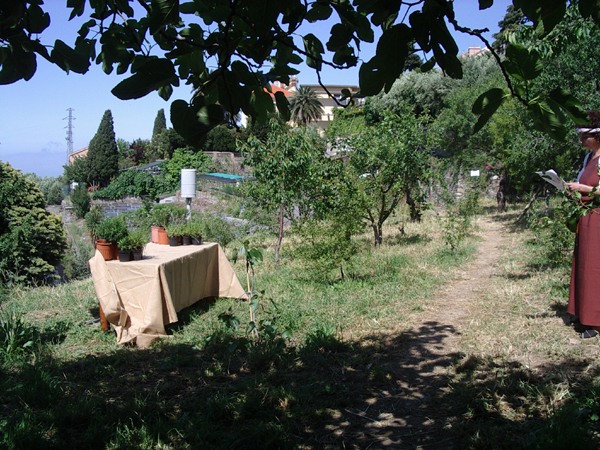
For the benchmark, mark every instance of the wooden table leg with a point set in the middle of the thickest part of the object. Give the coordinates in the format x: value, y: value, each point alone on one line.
x: 103, y: 322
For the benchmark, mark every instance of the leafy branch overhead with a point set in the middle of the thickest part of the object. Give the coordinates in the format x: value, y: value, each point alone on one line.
x: 229, y: 51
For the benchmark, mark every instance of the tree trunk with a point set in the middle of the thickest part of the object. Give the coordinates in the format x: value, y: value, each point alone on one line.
x: 502, y: 193
x: 280, y: 235
x: 415, y: 211
x: 377, y: 233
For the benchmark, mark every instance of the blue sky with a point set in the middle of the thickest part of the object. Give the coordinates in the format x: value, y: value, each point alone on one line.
x: 32, y: 113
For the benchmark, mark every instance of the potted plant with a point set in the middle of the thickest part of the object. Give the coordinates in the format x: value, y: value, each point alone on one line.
x: 137, y: 240
x: 194, y: 229
x: 124, y: 249
x: 174, y: 233
x: 92, y: 220
x: 163, y: 215
x: 112, y: 230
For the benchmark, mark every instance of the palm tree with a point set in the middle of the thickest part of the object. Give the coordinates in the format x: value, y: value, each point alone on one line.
x: 305, y: 106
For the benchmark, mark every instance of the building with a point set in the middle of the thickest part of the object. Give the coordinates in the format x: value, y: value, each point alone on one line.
x: 475, y: 51
x: 324, y: 94
x: 77, y: 154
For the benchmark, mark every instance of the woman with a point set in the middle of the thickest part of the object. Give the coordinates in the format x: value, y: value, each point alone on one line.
x: 584, y: 295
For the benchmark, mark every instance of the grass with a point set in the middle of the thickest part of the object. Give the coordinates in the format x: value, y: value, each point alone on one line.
x: 349, y: 377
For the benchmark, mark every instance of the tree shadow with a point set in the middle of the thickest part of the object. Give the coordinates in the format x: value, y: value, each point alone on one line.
x: 379, y: 392
x: 411, y: 239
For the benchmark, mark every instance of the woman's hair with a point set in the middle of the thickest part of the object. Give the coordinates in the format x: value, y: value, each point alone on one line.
x: 593, y: 127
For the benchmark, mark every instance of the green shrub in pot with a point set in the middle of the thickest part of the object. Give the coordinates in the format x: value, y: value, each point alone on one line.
x: 112, y: 229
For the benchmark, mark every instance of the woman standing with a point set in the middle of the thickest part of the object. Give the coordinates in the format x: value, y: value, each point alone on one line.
x: 584, y: 295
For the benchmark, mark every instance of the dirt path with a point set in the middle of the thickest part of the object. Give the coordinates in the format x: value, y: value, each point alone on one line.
x: 420, y: 411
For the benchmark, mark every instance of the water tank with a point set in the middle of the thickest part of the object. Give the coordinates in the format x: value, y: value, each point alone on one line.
x: 188, y: 183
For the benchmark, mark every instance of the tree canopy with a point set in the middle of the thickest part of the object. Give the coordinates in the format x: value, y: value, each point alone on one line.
x: 229, y: 51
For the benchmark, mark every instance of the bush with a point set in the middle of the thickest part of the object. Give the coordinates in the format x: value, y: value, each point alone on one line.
x: 32, y: 240
x: 81, y: 201
x: 135, y: 183
x: 214, y: 228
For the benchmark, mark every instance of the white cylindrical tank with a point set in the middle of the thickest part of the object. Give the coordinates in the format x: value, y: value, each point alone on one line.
x: 188, y: 183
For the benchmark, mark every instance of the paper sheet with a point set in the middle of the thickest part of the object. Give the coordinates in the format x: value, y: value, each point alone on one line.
x: 552, y: 177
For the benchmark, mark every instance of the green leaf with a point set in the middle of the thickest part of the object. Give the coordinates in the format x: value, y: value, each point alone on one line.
x: 340, y: 37
x: 151, y: 76
x: 262, y: 103
x: 522, y: 63
x: 485, y: 4
x: 428, y: 65
x: 548, y: 117
x: 357, y: 21
x: 68, y: 59
x: 570, y: 104
x: 165, y: 92
x: 282, y: 106
x: 162, y: 13
x: 211, y: 115
x: 263, y: 14
x: 318, y: 11
x: 78, y: 7
x: 384, y: 68
x: 184, y: 118
x: 16, y: 65
x: 38, y: 20
x: 314, y: 48
x: 486, y: 105
x: 545, y: 14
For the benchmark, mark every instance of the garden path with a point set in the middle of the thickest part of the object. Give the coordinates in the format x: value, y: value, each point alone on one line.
x: 420, y: 411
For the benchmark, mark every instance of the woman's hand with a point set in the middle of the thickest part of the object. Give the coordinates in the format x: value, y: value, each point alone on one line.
x: 578, y: 187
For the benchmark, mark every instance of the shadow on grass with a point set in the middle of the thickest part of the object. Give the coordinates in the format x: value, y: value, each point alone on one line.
x: 382, y: 391
x: 411, y: 239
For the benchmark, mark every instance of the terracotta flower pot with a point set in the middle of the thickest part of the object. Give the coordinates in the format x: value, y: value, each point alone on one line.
x: 163, y: 239
x: 105, y: 249
x: 154, y: 235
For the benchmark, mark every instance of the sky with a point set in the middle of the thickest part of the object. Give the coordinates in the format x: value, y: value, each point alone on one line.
x: 33, y: 114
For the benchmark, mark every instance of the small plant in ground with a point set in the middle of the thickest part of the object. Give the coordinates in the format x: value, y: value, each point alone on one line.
x: 554, y: 234
x: 16, y: 336
x: 459, y: 214
x: 269, y: 340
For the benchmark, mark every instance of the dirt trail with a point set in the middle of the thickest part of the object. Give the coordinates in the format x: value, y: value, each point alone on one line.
x: 420, y: 411
x: 453, y: 306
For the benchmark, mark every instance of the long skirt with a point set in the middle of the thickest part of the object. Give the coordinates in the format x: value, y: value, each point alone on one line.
x: 584, y: 295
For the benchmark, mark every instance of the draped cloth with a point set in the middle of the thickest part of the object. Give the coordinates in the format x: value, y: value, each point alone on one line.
x: 140, y: 297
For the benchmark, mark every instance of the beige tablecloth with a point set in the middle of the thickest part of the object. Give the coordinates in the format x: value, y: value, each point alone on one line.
x: 140, y: 297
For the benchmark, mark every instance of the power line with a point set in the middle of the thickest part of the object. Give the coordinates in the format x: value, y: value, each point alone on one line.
x: 69, y: 128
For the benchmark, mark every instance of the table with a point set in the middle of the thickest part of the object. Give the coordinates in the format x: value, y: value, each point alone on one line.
x: 140, y: 297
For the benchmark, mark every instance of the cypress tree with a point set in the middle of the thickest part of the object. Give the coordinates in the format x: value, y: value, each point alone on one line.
x: 160, y: 123
x: 103, y: 153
